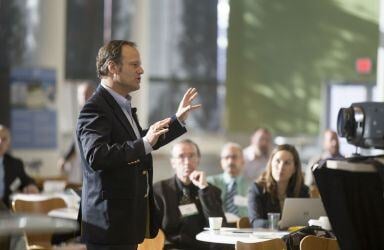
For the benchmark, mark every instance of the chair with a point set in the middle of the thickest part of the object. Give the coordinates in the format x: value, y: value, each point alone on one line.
x: 243, y: 222
x: 273, y: 244
x: 314, y: 192
x: 156, y: 243
x: 312, y: 242
x: 38, y: 241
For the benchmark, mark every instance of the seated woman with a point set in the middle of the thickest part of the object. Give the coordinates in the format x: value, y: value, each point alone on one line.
x: 282, y: 178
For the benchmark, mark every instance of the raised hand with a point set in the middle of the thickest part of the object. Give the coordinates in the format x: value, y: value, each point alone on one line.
x: 186, y: 104
x: 156, y: 130
x: 198, y: 179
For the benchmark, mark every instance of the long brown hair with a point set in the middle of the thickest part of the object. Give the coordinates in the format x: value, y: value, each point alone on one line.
x: 295, y: 182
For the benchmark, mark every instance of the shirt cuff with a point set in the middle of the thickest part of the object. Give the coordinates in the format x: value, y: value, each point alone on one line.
x: 180, y: 122
x: 147, y: 147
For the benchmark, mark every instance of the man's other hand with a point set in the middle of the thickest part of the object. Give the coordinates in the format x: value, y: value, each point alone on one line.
x: 186, y: 104
x: 156, y: 130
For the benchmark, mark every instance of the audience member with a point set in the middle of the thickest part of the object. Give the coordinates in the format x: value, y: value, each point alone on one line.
x: 330, y: 150
x: 257, y: 153
x: 282, y: 178
x: 233, y: 186
x: 69, y: 163
x: 13, y: 177
x: 185, y: 201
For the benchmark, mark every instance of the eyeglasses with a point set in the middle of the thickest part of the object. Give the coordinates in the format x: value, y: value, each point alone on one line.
x: 227, y: 157
x: 186, y: 157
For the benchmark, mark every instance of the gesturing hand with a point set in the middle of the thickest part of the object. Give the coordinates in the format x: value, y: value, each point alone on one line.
x: 157, y: 129
x: 186, y: 104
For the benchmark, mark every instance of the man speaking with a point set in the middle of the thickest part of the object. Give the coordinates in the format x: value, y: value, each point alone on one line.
x: 117, y: 199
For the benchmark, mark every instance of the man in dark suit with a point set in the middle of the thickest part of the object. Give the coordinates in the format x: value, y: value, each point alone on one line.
x: 186, y: 201
x: 117, y: 199
x: 13, y: 178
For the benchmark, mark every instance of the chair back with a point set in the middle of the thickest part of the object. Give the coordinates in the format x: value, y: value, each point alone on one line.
x: 5, y: 240
x: 314, y: 192
x: 273, y: 244
x: 156, y: 243
x: 312, y: 242
x: 243, y: 222
x: 38, y: 240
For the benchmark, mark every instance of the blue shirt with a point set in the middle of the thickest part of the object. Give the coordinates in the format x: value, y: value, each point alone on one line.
x: 125, y: 105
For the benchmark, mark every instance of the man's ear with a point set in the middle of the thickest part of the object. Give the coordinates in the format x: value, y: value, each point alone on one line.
x: 112, y: 67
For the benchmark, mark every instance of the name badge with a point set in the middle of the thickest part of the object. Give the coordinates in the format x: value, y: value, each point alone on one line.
x: 240, y: 201
x: 188, y: 209
x: 15, y: 185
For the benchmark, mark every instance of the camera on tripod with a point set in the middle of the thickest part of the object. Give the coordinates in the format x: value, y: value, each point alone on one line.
x: 362, y: 124
x: 352, y: 188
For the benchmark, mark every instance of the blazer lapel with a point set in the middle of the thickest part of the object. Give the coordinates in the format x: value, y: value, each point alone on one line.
x: 117, y: 111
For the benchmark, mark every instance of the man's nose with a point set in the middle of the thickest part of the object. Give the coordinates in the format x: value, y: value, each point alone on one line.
x: 185, y: 159
x: 231, y: 161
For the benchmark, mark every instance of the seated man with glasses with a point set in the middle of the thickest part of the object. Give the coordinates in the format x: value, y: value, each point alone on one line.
x: 185, y: 201
x: 233, y: 185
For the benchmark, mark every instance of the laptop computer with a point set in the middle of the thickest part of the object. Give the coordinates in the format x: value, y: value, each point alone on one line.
x: 298, y: 211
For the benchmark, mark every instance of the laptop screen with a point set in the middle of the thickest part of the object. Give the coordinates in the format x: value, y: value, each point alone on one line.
x: 298, y: 211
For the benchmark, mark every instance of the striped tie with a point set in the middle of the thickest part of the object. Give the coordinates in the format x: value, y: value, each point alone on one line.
x: 229, y: 203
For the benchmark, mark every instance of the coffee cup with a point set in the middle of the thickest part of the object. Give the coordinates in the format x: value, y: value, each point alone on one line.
x: 215, y: 223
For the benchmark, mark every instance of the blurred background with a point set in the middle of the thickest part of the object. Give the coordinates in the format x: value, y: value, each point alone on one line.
x: 284, y: 65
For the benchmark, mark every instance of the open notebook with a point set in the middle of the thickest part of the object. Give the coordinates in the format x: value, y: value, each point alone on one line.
x: 298, y: 211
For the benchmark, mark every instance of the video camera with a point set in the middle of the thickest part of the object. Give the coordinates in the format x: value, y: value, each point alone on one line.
x: 362, y: 124
x: 352, y: 188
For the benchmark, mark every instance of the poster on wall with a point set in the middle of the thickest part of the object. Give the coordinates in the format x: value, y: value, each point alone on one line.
x: 33, y: 108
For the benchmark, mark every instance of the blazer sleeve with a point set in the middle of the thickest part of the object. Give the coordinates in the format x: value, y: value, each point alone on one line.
x: 22, y: 175
x: 211, y: 203
x: 256, y: 207
x: 96, y: 133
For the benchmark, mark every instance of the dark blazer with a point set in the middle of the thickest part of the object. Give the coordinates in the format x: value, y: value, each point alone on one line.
x: 179, y: 233
x: 260, y: 203
x: 115, y: 168
x: 15, y: 177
